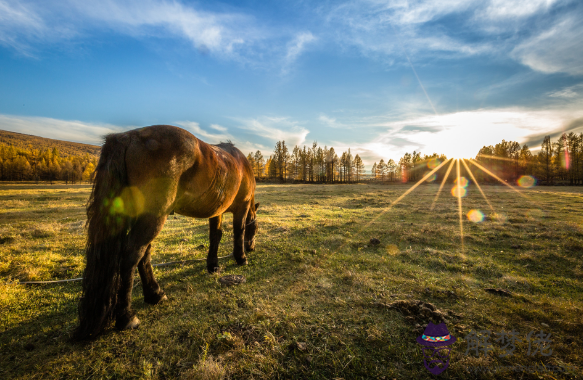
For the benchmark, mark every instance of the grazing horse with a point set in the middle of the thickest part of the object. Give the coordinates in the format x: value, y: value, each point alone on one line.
x: 143, y: 175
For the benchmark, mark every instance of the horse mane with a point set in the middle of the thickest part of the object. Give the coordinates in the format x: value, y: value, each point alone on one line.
x: 224, y: 144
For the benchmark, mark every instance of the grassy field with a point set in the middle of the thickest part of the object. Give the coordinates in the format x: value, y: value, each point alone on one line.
x: 320, y: 301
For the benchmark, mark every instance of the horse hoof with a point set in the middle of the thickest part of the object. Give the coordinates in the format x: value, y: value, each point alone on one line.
x: 133, y: 323
x: 244, y: 262
x: 154, y: 299
x: 213, y: 270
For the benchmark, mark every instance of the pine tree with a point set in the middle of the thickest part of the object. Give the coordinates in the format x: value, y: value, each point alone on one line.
x: 359, y: 166
x: 259, y: 163
x: 391, y: 169
x: 545, y: 158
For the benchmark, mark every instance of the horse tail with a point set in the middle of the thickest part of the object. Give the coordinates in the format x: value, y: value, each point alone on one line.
x: 107, y: 228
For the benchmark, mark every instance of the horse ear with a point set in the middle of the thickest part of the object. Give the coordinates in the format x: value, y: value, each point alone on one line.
x: 256, y: 206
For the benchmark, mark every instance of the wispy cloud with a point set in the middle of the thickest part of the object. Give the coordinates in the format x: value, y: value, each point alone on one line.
x: 575, y: 126
x: 242, y: 144
x: 276, y: 129
x: 507, y: 9
x: 27, y: 25
x: 218, y: 127
x: 93, y: 133
x: 67, y: 130
x: 570, y: 92
x: 295, y: 48
x: 384, y: 29
x: 22, y: 25
x: 457, y: 28
x: 212, y: 138
x: 332, y: 122
x: 419, y: 128
x: 556, y: 49
x: 219, y: 33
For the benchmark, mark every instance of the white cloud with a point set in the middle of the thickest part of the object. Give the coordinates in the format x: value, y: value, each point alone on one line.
x: 509, y: 28
x: 557, y: 49
x: 93, y: 133
x: 218, y: 127
x: 504, y: 9
x: 462, y: 134
x: 208, y: 31
x: 571, y: 92
x: 295, y: 49
x: 67, y: 130
x: 332, y: 122
x: 243, y: 145
x: 27, y: 24
x: 22, y: 24
x: 211, y: 138
x: 276, y: 129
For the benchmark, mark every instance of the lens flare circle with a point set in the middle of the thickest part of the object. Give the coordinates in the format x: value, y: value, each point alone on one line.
x: 459, y: 191
x: 475, y: 216
x: 433, y: 163
x: 526, y: 181
x: 463, y: 182
x: 432, y: 177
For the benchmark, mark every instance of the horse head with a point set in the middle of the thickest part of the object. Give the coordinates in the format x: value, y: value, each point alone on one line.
x: 251, y: 227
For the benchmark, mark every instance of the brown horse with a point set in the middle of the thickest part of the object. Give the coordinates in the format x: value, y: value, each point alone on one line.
x: 142, y: 176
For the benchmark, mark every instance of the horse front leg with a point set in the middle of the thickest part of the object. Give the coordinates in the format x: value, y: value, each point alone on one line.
x: 152, y: 291
x: 239, y: 219
x: 215, y: 235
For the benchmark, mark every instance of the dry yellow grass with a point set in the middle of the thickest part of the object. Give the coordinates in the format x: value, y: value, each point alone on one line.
x: 312, y: 306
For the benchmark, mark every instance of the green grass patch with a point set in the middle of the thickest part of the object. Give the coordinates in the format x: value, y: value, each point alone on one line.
x: 316, y: 301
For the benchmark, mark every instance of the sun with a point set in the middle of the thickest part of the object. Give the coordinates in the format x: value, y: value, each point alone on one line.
x: 459, y: 151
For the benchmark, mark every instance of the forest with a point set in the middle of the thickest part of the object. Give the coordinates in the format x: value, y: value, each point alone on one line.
x: 558, y: 162
x: 30, y: 164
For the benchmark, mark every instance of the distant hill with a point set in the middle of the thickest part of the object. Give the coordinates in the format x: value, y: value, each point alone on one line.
x: 66, y: 148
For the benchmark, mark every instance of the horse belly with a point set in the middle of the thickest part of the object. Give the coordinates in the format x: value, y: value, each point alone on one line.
x: 203, y: 207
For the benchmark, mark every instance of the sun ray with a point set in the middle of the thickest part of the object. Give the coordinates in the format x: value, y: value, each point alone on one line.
x: 506, y: 159
x: 459, y: 202
x: 477, y: 184
x: 417, y: 184
x: 496, y: 157
x: 421, y: 84
x: 441, y: 186
x: 398, y: 199
x: 498, y: 178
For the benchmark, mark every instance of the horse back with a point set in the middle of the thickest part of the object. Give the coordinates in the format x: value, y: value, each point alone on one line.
x: 222, y: 180
x: 168, y: 169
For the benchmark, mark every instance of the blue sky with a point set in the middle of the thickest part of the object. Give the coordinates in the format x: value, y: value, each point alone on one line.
x: 380, y: 77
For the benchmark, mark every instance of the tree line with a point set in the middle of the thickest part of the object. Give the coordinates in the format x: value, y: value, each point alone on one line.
x: 560, y: 161
x: 556, y: 162
x: 307, y: 164
x: 411, y: 167
x: 29, y: 164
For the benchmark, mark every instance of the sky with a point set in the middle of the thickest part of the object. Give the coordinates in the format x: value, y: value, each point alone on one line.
x: 379, y: 77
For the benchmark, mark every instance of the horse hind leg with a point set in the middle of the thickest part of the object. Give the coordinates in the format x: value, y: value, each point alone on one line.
x: 153, y: 294
x: 142, y: 232
x: 215, y: 235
